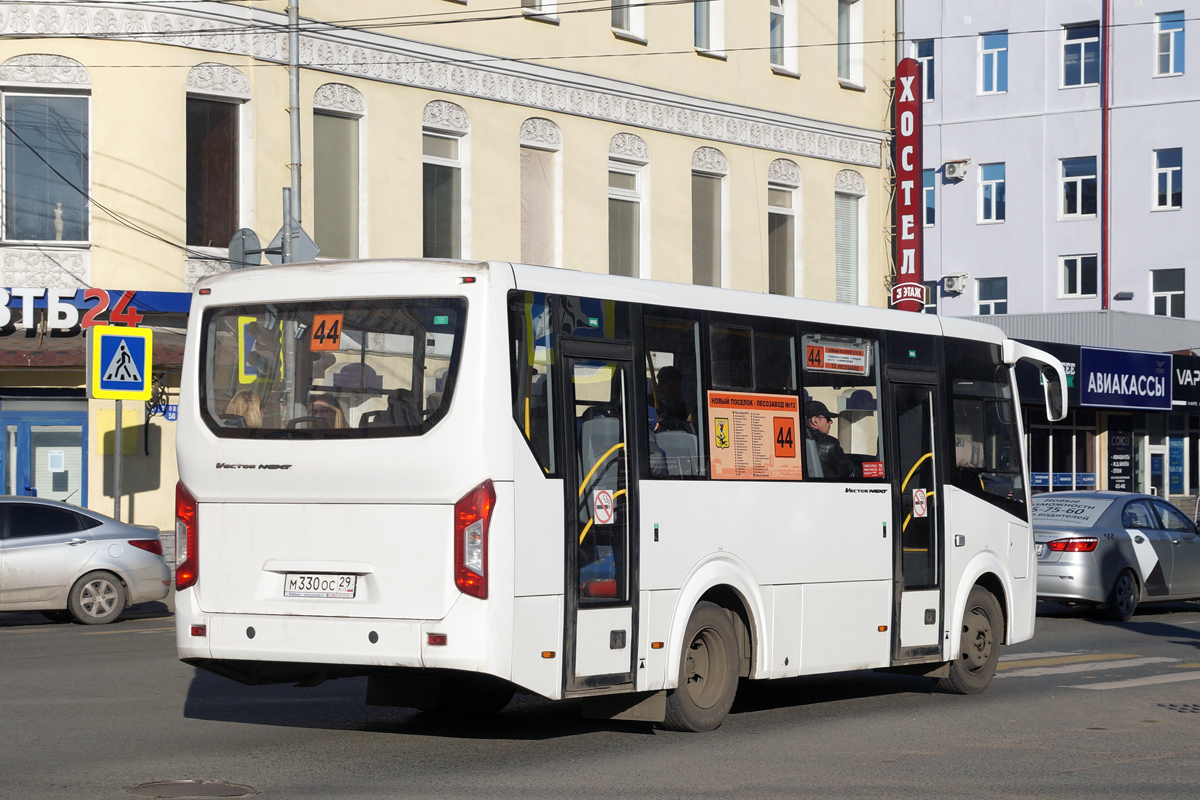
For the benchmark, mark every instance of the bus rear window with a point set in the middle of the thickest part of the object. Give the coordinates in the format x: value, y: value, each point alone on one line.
x: 330, y: 369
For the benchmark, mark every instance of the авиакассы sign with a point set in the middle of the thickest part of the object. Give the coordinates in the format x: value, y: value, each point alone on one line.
x: 1125, y: 379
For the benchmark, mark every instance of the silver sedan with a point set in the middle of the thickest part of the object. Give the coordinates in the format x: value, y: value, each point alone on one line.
x: 68, y: 562
x: 1114, y: 550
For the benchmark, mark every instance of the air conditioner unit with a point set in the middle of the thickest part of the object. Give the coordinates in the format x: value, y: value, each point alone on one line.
x: 956, y: 170
x: 954, y: 284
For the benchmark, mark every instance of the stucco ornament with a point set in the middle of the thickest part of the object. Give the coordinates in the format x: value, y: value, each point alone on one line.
x: 540, y: 132
x: 340, y: 97
x: 710, y: 159
x: 784, y: 170
x: 446, y: 116
x: 210, y: 78
x: 850, y: 181
x: 46, y: 69
x: 196, y: 268
x: 629, y: 147
x: 52, y: 268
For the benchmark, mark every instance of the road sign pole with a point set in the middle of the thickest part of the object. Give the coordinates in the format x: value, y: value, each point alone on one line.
x: 117, y: 458
x: 285, y: 237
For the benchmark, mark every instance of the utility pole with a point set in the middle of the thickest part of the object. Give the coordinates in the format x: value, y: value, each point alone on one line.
x: 293, y: 213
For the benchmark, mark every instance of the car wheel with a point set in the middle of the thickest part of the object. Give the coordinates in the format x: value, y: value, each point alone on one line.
x: 97, y: 598
x: 1123, y: 598
x: 61, y: 615
x: 708, y: 672
x: 978, y: 646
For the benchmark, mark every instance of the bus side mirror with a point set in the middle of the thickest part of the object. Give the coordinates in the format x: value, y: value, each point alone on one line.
x: 1054, y: 377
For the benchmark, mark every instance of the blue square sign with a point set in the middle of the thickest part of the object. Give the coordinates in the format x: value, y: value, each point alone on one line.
x: 120, y: 362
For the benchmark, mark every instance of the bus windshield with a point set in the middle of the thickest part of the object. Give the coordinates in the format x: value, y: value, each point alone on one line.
x: 330, y: 369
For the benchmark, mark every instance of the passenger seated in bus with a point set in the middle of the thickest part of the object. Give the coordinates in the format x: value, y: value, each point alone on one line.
x: 834, y: 461
x: 658, y: 456
x: 246, y: 406
x: 326, y: 409
x: 672, y: 410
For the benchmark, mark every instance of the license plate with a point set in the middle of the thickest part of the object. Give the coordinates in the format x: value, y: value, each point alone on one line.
x: 1038, y: 549
x: 297, y: 584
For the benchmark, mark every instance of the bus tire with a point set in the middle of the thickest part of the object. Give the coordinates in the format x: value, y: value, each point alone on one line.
x: 979, y: 645
x: 708, y: 672
x: 1123, y: 597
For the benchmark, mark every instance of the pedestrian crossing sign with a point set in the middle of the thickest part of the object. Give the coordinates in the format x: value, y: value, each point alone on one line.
x: 119, y: 362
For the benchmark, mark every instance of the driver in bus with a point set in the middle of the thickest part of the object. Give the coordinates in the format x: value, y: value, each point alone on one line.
x: 834, y: 461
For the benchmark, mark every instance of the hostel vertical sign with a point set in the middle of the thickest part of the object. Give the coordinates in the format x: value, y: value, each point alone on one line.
x: 908, y: 293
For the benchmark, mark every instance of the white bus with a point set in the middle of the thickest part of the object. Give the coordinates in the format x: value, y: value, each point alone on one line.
x: 459, y: 479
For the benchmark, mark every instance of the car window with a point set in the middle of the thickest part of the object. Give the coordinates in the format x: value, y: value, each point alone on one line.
x: 29, y: 519
x: 1172, y: 518
x: 1137, y: 514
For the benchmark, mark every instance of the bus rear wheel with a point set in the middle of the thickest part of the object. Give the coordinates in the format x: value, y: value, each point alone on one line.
x: 979, y: 645
x: 708, y: 672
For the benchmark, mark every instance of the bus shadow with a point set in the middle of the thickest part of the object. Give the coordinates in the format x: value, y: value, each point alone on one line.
x: 816, y: 690
x: 338, y: 705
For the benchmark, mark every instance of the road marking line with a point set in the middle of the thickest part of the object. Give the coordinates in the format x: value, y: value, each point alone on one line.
x: 1071, y: 659
x: 1149, y: 681
x: 1085, y: 667
x: 1030, y: 656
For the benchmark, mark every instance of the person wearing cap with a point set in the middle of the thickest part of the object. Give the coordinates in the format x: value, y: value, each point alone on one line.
x: 834, y: 461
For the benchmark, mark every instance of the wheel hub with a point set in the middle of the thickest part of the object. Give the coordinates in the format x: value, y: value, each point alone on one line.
x: 977, y: 640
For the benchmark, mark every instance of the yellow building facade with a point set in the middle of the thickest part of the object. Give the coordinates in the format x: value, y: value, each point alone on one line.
x: 739, y: 143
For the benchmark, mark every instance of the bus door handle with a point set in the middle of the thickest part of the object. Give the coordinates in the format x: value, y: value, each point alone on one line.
x: 960, y: 540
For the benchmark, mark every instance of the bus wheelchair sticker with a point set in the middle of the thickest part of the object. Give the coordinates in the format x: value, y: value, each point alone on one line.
x: 326, y: 332
x: 603, y: 506
x: 920, y: 503
x: 753, y: 436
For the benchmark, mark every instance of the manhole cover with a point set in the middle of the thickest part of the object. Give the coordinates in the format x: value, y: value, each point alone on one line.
x: 184, y: 789
x: 1182, y: 708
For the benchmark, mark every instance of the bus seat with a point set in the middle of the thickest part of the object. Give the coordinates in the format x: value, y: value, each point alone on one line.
x: 814, y: 458
x: 682, y: 451
x: 597, y: 436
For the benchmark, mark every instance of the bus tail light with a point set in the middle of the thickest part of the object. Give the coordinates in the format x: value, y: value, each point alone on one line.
x: 472, y: 515
x: 187, y: 538
x: 1083, y: 544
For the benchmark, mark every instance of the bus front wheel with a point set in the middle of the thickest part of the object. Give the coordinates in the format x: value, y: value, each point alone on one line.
x: 979, y: 645
x: 708, y: 672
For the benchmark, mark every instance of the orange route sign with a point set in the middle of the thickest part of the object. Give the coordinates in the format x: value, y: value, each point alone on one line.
x: 326, y: 332
x: 754, y: 436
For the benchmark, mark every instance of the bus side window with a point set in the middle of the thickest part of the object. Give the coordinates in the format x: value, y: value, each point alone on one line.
x: 533, y: 361
x: 672, y: 352
x: 841, y: 384
x: 987, y: 441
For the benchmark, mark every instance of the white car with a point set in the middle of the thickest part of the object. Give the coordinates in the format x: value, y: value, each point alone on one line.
x: 69, y: 562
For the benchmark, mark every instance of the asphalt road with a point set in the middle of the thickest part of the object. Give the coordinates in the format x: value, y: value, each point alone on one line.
x: 1087, y: 709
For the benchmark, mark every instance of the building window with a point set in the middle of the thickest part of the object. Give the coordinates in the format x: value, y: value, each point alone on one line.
x: 709, y: 25
x: 991, y: 193
x: 993, y: 62
x: 781, y: 239
x: 1078, y: 276
x: 1168, y: 178
x: 46, y: 178
x: 931, y: 297
x: 1166, y: 292
x: 541, y: 193
x: 1170, y: 44
x: 335, y: 185
x: 539, y: 8
x: 709, y: 168
x: 441, y: 196
x: 1079, y: 187
x: 992, y: 296
x: 624, y: 219
x: 850, y: 36
x: 929, y: 190
x: 1081, y: 55
x: 213, y: 144
x: 627, y: 17
x: 846, y: 236
x: 783, y: 36
x: 924, y: 50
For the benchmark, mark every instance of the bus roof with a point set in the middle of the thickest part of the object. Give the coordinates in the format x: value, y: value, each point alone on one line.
x: 638, y: 290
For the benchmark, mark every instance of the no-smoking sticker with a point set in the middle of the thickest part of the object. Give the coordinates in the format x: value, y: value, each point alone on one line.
x: 920, y: 506
x: 602, y: 506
